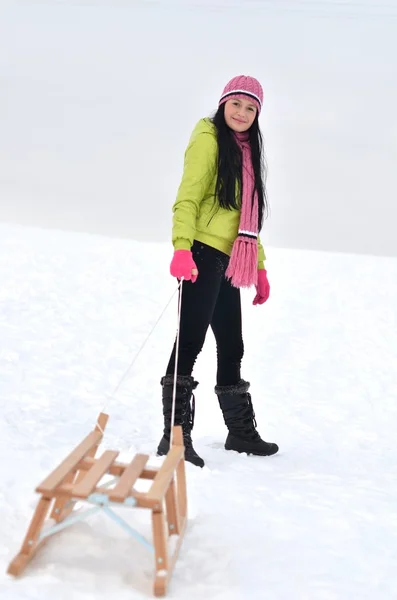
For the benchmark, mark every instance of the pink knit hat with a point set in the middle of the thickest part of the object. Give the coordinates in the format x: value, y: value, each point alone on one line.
x: 243, y: 85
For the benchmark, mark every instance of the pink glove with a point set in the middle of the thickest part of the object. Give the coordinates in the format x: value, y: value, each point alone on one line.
x: 262, y: 288
x: 183, y: 265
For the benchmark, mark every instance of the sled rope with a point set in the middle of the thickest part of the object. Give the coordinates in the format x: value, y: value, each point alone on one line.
x: 176, y: 361
x: 124, y: 376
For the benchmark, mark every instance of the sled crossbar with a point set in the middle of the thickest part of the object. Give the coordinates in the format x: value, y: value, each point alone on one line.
x: 79, y: 478
x: 70, y: 463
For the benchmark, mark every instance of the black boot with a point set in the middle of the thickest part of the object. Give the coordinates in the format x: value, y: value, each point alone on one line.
x: 238, y: 413
x: 184, y: 415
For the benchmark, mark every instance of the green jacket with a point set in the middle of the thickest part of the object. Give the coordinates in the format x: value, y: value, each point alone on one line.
x: 196, y: 215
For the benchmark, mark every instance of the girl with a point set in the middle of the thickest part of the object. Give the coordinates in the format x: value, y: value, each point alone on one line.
x: 218, y: 214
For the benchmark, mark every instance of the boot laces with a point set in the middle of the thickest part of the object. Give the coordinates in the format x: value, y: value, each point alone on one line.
x: 185, y: 409
x: 186, y: 413
x: 188, y: 420
x: 252, y: 413
x: 192, y: 412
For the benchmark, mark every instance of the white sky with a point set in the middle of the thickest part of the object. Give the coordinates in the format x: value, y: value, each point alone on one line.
x: 99, y: 98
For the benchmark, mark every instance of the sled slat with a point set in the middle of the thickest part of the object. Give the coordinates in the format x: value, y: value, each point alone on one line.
x: 118, y: 468
x: 166, y: 472
x: 71, y: 461
x: 87, y: 485
x: 128, y: 478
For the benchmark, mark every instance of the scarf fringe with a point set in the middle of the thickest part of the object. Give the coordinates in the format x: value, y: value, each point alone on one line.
x: 243, y: 265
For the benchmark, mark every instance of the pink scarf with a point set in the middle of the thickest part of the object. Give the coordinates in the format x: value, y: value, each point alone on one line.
x: 243, y: 266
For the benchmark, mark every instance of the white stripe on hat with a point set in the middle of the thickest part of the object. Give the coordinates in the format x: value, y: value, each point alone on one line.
x: 245, y: 92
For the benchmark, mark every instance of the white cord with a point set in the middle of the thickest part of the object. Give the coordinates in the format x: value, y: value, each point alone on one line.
x: 138, y: 353
x: 176, y: 361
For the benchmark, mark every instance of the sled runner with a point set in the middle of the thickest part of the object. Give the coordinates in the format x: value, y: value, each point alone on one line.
x: 78, y: 479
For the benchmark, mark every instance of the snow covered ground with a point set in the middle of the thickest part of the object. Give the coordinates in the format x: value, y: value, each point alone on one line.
x: 316, y: 522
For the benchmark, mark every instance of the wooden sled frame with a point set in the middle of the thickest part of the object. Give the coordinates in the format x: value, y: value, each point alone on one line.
x: 76, y: 479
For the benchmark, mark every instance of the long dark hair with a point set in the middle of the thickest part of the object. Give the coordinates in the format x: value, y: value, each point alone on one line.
x: 230, y: 165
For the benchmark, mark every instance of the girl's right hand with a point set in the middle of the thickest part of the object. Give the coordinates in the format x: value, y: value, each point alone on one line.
x: 183, y: 265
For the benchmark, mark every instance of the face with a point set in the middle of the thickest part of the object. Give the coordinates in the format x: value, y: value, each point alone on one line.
x: 240, y: 113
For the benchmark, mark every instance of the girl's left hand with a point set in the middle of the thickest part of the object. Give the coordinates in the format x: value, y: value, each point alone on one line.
x: 262, y: 288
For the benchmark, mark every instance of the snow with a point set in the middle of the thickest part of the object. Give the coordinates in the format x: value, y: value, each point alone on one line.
x: 318, y: 521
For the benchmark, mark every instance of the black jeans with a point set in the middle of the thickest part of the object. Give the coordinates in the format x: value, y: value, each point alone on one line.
x: 210, y: 301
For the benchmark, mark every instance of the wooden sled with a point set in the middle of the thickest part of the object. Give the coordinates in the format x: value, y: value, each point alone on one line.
x: 77, y: 479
